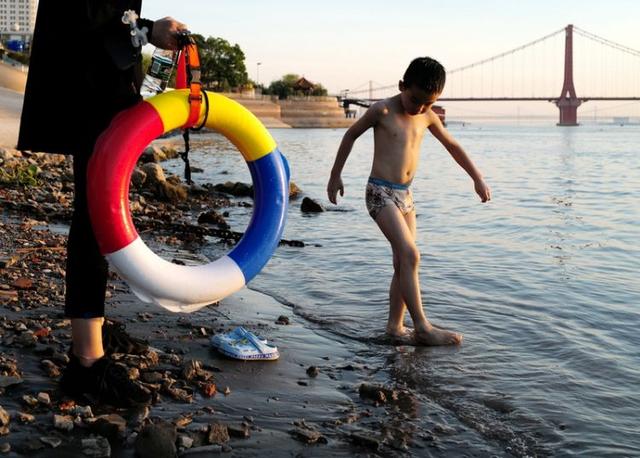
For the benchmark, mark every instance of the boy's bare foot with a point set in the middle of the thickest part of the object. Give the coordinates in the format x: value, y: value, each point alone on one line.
x: 436, y: 336
x: 400, y: 335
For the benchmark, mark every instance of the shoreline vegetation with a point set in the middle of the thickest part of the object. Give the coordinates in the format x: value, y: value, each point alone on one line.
x: 317, y: 395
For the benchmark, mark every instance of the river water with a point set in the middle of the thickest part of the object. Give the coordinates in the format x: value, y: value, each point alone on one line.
x: 542, y: 281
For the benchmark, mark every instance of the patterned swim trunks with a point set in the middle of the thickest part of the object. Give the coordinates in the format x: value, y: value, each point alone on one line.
x: 382, y: 192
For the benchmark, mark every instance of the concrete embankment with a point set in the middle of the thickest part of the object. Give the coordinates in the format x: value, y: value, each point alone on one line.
x: 297, y: 112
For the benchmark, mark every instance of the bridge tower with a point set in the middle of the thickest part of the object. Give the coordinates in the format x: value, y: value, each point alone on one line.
x: 568, y: 102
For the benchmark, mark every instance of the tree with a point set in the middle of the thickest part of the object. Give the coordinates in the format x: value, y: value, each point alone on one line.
x: 222, y: 64
x: 284, y: 87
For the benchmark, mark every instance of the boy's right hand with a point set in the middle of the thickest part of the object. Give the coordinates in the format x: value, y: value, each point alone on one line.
x: 334, y: 185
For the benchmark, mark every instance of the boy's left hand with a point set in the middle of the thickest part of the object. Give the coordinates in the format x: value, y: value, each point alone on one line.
x: 482, y: 189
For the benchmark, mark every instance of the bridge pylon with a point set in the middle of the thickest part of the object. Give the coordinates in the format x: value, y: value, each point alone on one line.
x: 568, y: 102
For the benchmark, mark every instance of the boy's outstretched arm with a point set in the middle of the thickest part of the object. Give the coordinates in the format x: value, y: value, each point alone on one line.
x: 458, y: 153
x: 369, y: 119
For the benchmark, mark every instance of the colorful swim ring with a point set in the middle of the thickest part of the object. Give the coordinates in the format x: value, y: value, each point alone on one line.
x: 175, y: 287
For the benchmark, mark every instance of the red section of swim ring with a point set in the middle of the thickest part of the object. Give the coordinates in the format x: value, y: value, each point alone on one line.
x: 114, y: 158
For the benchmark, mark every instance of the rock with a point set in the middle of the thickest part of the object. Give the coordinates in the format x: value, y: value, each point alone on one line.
x: 152, y: 377
x: 218, y: 433
x: 24, y: 417
x: 208, y: 389
x: 53, y: 442
x: 377, y: 393
x: 313, y: 371
x: 184, y: 441
x: 308, y: 436
x: 170, y: 151
x: 241, y: 431
x: 213, y: 217
x: 111, y: 426
x: 282, y: 319
x: 82, y: 411
x: 153, y: 154
x: 294, y: 190
x: 96, y: 447
x: 155, y: 174
x: 138, y: 177
x: 29, y: 400
x: 311, y: 206
x: 63, y: 422
x: 23, y: 283
x: 4, y: 417
x: 44, y: 398
x: 5, y: 447
x: 235, y: 189
x: 156, y: 441
x: 172, y: 192
x: 50, y: 368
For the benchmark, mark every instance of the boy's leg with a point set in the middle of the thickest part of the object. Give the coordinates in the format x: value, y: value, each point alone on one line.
x: 397, y: 306
x: 406, y: 261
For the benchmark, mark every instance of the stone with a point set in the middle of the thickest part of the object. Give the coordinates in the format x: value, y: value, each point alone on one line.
x: 156, y: 441
x: 311, y: 206
x: 138, y: 178
x: 51, y: 441
x: 218, y: 433
x: 282, y: 319
x: 241, y: 431
x: 112, y: 426
x: 294, y: 190
x: 97, y: 447
x: 63, y: 422
x: 184, y: 441
x: 4, y: 417
x: 44, y: 398
x: 313, y: 371
x: 214, y: 218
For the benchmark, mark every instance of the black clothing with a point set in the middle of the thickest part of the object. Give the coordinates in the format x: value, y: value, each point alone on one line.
x: 83, y: 71
x: 82, y: 63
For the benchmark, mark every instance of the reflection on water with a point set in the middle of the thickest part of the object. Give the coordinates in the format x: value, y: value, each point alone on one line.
x: 542, y: 281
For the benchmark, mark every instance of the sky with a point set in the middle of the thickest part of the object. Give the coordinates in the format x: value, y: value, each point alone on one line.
x: 346, y: 44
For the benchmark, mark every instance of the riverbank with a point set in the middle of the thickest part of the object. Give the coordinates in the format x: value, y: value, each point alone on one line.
x: 315, y: 399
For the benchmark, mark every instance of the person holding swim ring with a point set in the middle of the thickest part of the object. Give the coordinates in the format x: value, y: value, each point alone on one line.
x: 101, y: 75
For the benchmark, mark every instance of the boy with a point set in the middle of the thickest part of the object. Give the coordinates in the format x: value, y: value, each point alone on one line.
x: 399, y: 123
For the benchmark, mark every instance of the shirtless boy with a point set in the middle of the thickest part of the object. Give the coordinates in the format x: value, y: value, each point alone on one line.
x: 399, y: 124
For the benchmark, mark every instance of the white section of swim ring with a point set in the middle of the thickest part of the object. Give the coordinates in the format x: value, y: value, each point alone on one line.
x: 176, y: 288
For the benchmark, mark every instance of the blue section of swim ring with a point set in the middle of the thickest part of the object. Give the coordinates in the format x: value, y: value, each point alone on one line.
x: 270, y: 175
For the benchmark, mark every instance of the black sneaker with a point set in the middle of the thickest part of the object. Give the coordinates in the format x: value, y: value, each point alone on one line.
x: 116, y: 340
x: 105, y: 382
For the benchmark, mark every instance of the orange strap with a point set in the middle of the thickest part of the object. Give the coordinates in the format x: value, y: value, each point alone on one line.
x: 191, y: 62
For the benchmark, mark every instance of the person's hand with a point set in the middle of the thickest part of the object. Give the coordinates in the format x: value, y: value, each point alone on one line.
x: 334, y: 185
x: 482, y: 189
x: 165, y: 31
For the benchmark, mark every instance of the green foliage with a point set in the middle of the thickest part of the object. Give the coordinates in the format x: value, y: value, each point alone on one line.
x: 25, y: 175
x: 21, y: 57
x: 222, y: 64
x: 284, y: 87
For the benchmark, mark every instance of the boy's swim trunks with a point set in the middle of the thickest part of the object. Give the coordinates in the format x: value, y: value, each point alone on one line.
x: 382, y: 192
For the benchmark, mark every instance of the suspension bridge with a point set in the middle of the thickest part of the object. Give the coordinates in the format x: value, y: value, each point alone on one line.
x: 547, y: 69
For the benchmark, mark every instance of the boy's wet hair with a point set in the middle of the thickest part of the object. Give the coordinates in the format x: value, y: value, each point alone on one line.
x: 426, y: 73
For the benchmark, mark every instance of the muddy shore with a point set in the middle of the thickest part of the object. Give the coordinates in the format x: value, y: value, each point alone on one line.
x: 318, y: 399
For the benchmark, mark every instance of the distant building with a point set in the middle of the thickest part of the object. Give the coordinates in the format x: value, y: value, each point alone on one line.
x: 622, y: 120
x: 17, y: 19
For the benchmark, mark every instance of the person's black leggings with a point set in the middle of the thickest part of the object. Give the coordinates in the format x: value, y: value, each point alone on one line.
x: 87, y: 270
